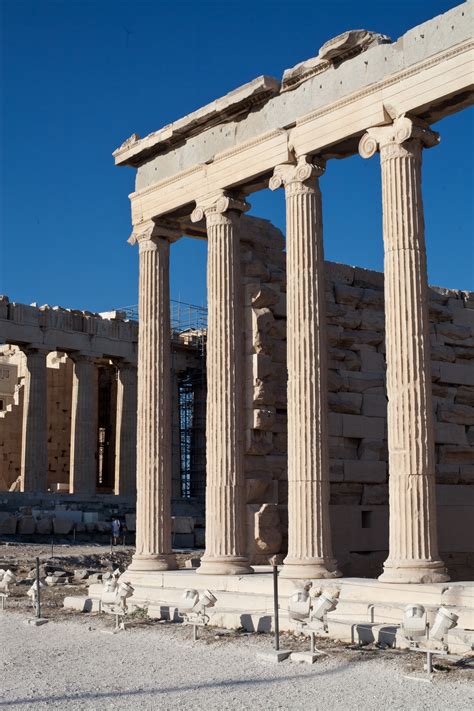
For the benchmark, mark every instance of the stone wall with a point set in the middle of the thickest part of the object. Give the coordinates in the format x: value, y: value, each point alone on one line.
x: 59, y: 417
x: 264, y: 286
x: 358, y: 409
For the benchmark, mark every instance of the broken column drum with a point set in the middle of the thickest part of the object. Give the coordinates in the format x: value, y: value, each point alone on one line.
x: 413, y: 547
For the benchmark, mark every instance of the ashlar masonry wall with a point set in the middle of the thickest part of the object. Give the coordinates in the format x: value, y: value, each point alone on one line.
x: 358, y: 410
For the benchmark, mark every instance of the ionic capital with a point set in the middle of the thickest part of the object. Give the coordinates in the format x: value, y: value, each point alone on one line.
x: 219, y: 204
x: 304, y: 171
x: 397, y: 134
x: 152, y: 232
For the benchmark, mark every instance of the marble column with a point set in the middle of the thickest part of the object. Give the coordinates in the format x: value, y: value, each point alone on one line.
x: 153, y: 538
x: 34, y: 442
x: 309, y: 531
x: 84, y: 425
x: 225, y: 485
x: 413, y: 547
x: 126, y: 430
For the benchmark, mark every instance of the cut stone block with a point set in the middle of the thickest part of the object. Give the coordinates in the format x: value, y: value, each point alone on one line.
x: 360, y: 426
x: 367, y: 471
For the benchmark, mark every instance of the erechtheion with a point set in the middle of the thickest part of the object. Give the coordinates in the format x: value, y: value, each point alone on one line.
x: 194, y: 177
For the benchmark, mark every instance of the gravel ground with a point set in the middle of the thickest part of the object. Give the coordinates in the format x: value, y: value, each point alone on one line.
x: 78, y: 663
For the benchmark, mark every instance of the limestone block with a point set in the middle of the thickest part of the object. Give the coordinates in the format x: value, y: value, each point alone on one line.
x: 81, y: 574
x: 278, y: 329
x: 280, y: 442
x: 343, y: 358
x: 372, y: 320
x: 346, y: 493
x: 335, y: 381
x: 360, y: 426
x: 464, y: 317
x: 372, y: 360
x: 463, y: 352
x: 368, y: 278
x: 373, y: 449
x: 447, y: 473
x: 342, y: 448
x: 262, y: 366
x: 466, y: 474
x: 359, y: 382
x: 348, y: 294
x: 439, y: 313
x: 263, y: 392
x: 470, y: 436
x: 335, y: 424
x: 451, y: 333
x: 182, y: 524
x: 263, y: 418
x: 349, y: 318
x: 336, y: 470
x: 442, y: 353
x: 26, y: 525
x: 79, y: 604
x: 447, y: 433
x: 44, y: 526
x: 349, y: 403
x: 256, y: 268
x: 62, y: 525
x: 372, y: 297
x: 339, y: 273
x: 259, y: 295
x: 90, y: 516
x: 335, y: 335
x: 279, y: 309
x: 279, y: 351
x: 260, y: 490
x: 8, y: 523
x: 268, y: 538
x: 80, y: 527
x: 461, y: 414
x: 258, y: 441
x: 374, y: 405
x: 366, y: 471
x: 375, y: 495
x: 452, y: 454
x: 464, y: 395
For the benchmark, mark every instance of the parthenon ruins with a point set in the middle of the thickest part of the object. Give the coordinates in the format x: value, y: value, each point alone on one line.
x: 362, y: 93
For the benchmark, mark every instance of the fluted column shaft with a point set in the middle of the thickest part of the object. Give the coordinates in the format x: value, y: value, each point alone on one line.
x: 84, y: 426
x: 34, y: 443
x: 153, y: 536
x: 309, y: 532
x: 225, y: 483
x: 413, y: 547
x: 126, y: 431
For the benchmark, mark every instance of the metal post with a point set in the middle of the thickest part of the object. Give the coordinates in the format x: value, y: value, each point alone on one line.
x: 276, y: 607
x: 52, y: 548
x: 429, y: 663
x: 312, y: 636
x: 38, y: 592
x: 195, y: 633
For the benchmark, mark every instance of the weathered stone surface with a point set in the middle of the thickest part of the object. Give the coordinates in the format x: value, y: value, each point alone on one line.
x: 375, y: 494
x: 461, y: 414
x: 450, y: 434
x: 360, y: 426
x: 451, y: 454
x: 372, y: 449
x: 464, y: 395
x: 8, y: 523
x: 268, y: 538
x: 349, y: 403
x: 26, y: 525
x: 365, y: 471
x: 374, y: 405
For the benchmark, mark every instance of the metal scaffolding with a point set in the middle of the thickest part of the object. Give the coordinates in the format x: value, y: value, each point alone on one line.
x: 188, y: 378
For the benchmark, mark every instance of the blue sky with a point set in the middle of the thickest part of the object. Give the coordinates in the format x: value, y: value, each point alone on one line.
x: 78, y: 77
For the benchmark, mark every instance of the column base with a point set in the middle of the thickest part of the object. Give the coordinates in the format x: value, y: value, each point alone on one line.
x: 414, y: 571
x: 298, y: 569
x: 143, y: 563
x: 224, y: 565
